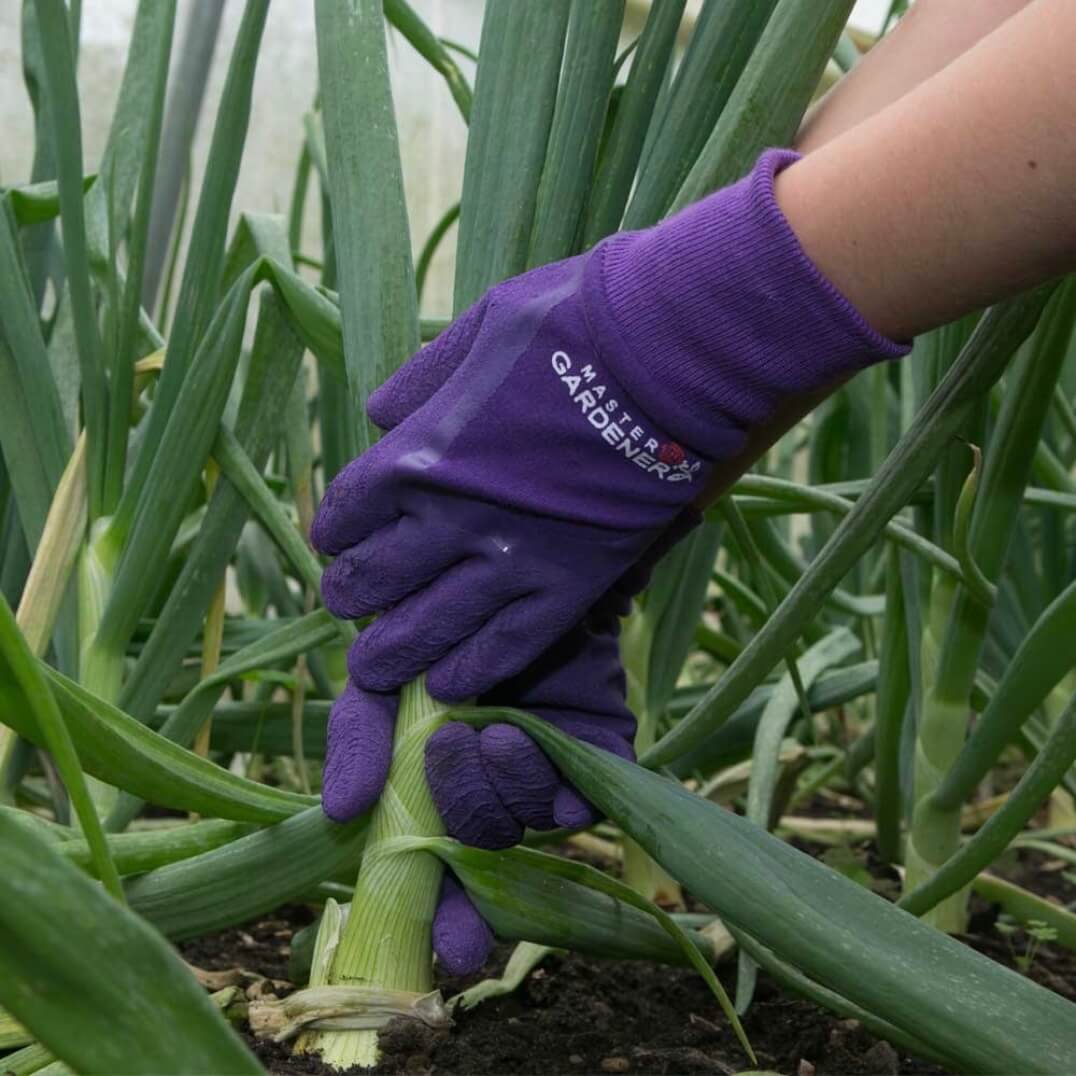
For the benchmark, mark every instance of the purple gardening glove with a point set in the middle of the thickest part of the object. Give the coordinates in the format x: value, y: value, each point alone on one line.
x: 489, y: 785
x: 548, y: 436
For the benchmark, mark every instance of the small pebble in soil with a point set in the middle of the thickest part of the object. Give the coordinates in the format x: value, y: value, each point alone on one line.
x: 411, y: 1039
x: 881, y: 1060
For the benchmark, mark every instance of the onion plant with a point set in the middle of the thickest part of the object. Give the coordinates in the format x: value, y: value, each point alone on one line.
x: 898, y: 627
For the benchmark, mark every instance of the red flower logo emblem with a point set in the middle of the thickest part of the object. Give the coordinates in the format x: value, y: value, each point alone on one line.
x: 671, y: 453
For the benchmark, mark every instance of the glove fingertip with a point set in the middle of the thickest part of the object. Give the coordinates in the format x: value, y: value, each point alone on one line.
x: 462, y: 939
x: 350, y: 788
x: 342, y: 805
x: 382, y: 407
x: 463, y: 792
x: 414, y: 383
x: 340, y: 594
x: 572, y: 810
x: 358, y: 753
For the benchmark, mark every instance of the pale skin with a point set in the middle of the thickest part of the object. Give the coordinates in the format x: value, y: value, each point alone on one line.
x: 964, y: 188
x: 939, y: 176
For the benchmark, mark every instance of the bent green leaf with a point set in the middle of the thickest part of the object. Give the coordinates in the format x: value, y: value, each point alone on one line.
x: 60, y: 976
x: 838, y: 933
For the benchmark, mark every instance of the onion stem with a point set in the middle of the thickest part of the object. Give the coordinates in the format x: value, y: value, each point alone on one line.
x: 959, y: 614
x: 386, y: 941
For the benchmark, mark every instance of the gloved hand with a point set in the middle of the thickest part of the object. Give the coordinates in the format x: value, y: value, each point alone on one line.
x: 550, y: 434
x: 578, y: 683
x: 489, y: 785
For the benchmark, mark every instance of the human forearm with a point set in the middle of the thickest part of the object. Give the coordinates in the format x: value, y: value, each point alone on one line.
x: 958, y: 194
x: 945, y: 212
x: 930, y: 36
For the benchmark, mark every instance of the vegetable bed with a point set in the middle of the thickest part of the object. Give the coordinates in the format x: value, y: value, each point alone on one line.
x: 577, y: 1015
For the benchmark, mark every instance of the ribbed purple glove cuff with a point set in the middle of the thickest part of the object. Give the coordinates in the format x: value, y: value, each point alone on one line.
x: 723, y: 315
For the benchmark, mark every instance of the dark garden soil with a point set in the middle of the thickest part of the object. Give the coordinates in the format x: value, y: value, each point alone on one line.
x: 262, y: 947
x: 576, y: 1015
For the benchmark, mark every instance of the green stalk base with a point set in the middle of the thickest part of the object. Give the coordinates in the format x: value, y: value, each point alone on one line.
x: 934, y: 836
x: 386, y: 942
x: 1062, y: 805
x: 100, y: 664
x: 649, y: 878
x: 949, y: 915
